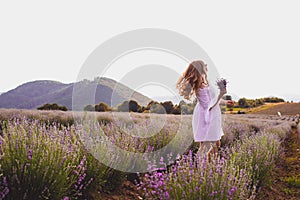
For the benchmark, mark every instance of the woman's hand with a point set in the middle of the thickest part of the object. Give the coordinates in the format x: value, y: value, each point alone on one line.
x: 223, y: 92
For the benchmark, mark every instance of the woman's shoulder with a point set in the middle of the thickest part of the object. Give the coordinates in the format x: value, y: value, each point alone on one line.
x: 203, y: 88
x: 203, y: 85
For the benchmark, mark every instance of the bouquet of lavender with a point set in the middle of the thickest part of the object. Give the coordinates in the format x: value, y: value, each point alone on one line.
x: 222, y: 83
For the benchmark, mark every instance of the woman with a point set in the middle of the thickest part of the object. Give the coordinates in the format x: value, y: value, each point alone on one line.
x: 207, y: 119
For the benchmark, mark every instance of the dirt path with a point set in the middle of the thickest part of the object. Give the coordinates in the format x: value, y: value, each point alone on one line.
x: 285, y: 178
x: 127, y: 191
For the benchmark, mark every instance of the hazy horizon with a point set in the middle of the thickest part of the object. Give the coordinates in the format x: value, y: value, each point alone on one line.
x: 256, y: 53
x: 173, y: 98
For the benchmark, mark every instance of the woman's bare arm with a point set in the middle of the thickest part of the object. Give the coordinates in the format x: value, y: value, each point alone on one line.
x: 222, y: 92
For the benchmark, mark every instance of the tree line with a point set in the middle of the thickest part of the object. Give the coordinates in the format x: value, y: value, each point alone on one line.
x: 166, y: 107
x: 53, y: 106
x: 251, y: 103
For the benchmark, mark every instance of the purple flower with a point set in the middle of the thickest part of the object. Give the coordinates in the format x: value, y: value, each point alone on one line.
x: 213, y: 193
x: 167, y: 195
x: 5, y: 189
x: 82, y: 161
x: 231, y: 191
x: 29, y: 154
x: 222, y: 83
x: 162, y: 161
x: 70, y: 148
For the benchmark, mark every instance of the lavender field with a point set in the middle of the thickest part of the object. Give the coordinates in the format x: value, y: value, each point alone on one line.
x: 61, y: 155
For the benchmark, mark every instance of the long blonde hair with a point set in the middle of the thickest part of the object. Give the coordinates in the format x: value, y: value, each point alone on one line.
x: 192, y: 78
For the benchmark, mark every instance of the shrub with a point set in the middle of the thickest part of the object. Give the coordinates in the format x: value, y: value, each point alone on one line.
x: 150, y: 104
x: 168, y: 105
x: 257, y: 154
x: 124, y: 107
x: 243, y: 103
x: 235, y: 174
x: 176, y: 110
x: 41, y: 162
x: 187, y: 109
x: 227, y: 97
x: 273, y: 99
x: 196, y: 178
x: 133, y: 106
x: 89, y: 108
x: 129, y: 106
x: 102, y: 107
x: 157, y: 108
x: 52, y: 107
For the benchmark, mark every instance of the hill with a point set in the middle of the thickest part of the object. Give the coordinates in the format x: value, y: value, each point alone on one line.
x: 283, y: 108
x: 34, y: 94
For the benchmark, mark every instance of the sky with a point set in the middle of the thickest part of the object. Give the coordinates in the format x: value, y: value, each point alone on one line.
x: 254, y: 44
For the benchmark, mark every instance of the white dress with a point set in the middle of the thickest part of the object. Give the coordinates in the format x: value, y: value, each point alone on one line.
x: 207, y: 125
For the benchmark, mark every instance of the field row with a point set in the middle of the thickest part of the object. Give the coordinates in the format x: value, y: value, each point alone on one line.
x: 59, y: 155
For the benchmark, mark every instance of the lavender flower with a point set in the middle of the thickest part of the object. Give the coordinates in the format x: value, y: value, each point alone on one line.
x: 243, y: 163
x: 222, y: 83
x: 167, y: 195
x: 29, y: 154
x: 5, y: 189
x: 231, y: 191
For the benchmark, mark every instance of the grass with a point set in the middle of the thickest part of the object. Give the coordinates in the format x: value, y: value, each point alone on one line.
x: 293, y: 181
x: 286, y: 172
x: 266, y: 106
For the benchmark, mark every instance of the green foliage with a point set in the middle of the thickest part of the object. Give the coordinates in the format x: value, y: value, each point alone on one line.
x: 235, y: 173
x: 150, y: 104
x: 133, y: 106
x: 102, y: 107
x: 251, y: 103
x: 181, y: 103
x: 35, y: 155
x: 196, y: 178
x: 257, y: 154
x: 176, y: 110
x: 53, y: 106
x: 157, y: 108
x: 227, y: 97
x: 293, y: 181
x: 37, y: 165
x: 187, y: 109
x: 243, y: 103
x: 89, y: 108
x: 124, y: 107
x: 168, y: 105
x: 129, y: 106
x: 272, y: 99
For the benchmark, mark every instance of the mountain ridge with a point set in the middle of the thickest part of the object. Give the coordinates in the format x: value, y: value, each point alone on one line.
x: 33, y: 94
